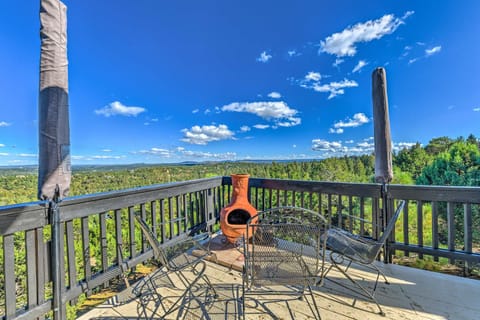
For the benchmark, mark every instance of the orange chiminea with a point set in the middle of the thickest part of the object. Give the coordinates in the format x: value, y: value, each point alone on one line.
x: 234, y: 217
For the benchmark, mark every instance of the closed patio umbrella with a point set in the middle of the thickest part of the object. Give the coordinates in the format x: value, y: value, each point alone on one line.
x: 54, y: 169
x: 54, y: 172
x: 381, y: 122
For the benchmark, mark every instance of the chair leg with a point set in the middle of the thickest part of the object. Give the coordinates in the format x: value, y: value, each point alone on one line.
x: 244, y: 283
x: 363, y: 291
x: 316, y: 308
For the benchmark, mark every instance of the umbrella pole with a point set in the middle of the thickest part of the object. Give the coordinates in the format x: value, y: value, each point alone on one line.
x: 383, y: 146
x: 58, y: 278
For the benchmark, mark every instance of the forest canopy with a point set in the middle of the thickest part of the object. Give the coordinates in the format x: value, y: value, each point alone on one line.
x: 443, y: 161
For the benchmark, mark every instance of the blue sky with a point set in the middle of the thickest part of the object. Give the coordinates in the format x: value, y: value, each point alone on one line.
x: 167, y: 81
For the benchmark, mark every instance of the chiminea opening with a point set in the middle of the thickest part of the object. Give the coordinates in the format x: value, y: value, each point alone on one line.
x: 238, y: 216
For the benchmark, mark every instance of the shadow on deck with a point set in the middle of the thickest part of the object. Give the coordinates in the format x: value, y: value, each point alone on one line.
x: 411, y: 294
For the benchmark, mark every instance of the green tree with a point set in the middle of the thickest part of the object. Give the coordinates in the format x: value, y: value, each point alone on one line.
x: 438, y: 145
x: 458, y: 166
x: 412, y: 160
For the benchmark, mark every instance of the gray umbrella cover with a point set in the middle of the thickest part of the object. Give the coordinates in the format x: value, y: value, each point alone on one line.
x: 54, y: 131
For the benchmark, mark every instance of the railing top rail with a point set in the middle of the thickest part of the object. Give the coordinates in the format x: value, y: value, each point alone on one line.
x: 342, y: 188
x: 435, y: 193
x: 26, y: 216
x: 32, y: 215
x: 23, y: 216
x: 76, y: 207
x: 143, y: 189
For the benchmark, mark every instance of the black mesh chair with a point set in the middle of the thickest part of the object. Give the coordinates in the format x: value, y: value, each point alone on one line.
x: 176, y: 257
x: 285, y: 253
x: 345, y: 246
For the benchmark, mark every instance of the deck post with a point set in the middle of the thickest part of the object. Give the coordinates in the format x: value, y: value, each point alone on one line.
x: 383, y: 143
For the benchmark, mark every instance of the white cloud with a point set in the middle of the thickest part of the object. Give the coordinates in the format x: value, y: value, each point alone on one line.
x: 103, y: 157
x: 365, y: 144
x: 261, y: 126
x: 3, y: 154
x: 344, y: 43
x: 164, y: 153
x: 117, y: 108
x: 293, y: 53
x: 291, y: 122
x: 275, y: 95
x: 477, y: 109
x: 180, y: 152
x: 277, y: 111
x: 313, y: 76
x: 28, y: 155
x: 312, y: 81
x: 337, y: 148
x: 334, y: 88
x: 245, y: 128
x: 402, y: 145
x: 207, y: 111
x: 195, y: 111
x: 337, y: 131
x: 359, y: 66
x: 264, y: 57
x: 98, y: 157
x: 412, y: 60
x: 2, y: 145
x: 205, y: 134
x: 107, y: 150
x: 4, y: 124
x: 337, y: 62
x: 209, y: 155
x: 407, y: 14
x: 429, y: 52
x: 324, y: 145
x: 358, y: 120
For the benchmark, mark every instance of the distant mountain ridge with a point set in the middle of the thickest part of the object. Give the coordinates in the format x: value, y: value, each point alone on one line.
x: 33, y: 169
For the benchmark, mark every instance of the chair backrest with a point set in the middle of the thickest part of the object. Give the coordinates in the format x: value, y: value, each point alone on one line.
x: 391, y: 223
x: 286, y: 247
x: 158, y: 253
x: 177, y: 254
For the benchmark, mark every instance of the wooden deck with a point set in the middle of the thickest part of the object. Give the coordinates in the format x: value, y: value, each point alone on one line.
x: 411, y: 294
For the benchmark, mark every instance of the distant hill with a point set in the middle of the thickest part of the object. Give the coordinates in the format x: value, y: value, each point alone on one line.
x: 33, y: 169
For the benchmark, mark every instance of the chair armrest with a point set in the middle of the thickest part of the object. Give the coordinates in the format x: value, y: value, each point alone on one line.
x: 198, y: 228
x: 352, y: 246
x: 357, y: 218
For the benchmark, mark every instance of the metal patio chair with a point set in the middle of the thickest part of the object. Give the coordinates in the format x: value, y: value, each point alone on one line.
x: 352, y: 248
x: 285, y: 253
x: 175, y: 258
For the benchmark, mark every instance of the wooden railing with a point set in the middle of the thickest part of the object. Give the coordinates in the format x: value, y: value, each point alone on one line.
x: 104, y: 222
x: 96, y: 240
x: 438, y: 221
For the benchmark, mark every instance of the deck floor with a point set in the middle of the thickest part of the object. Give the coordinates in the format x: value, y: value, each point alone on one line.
x: 411, y: 294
